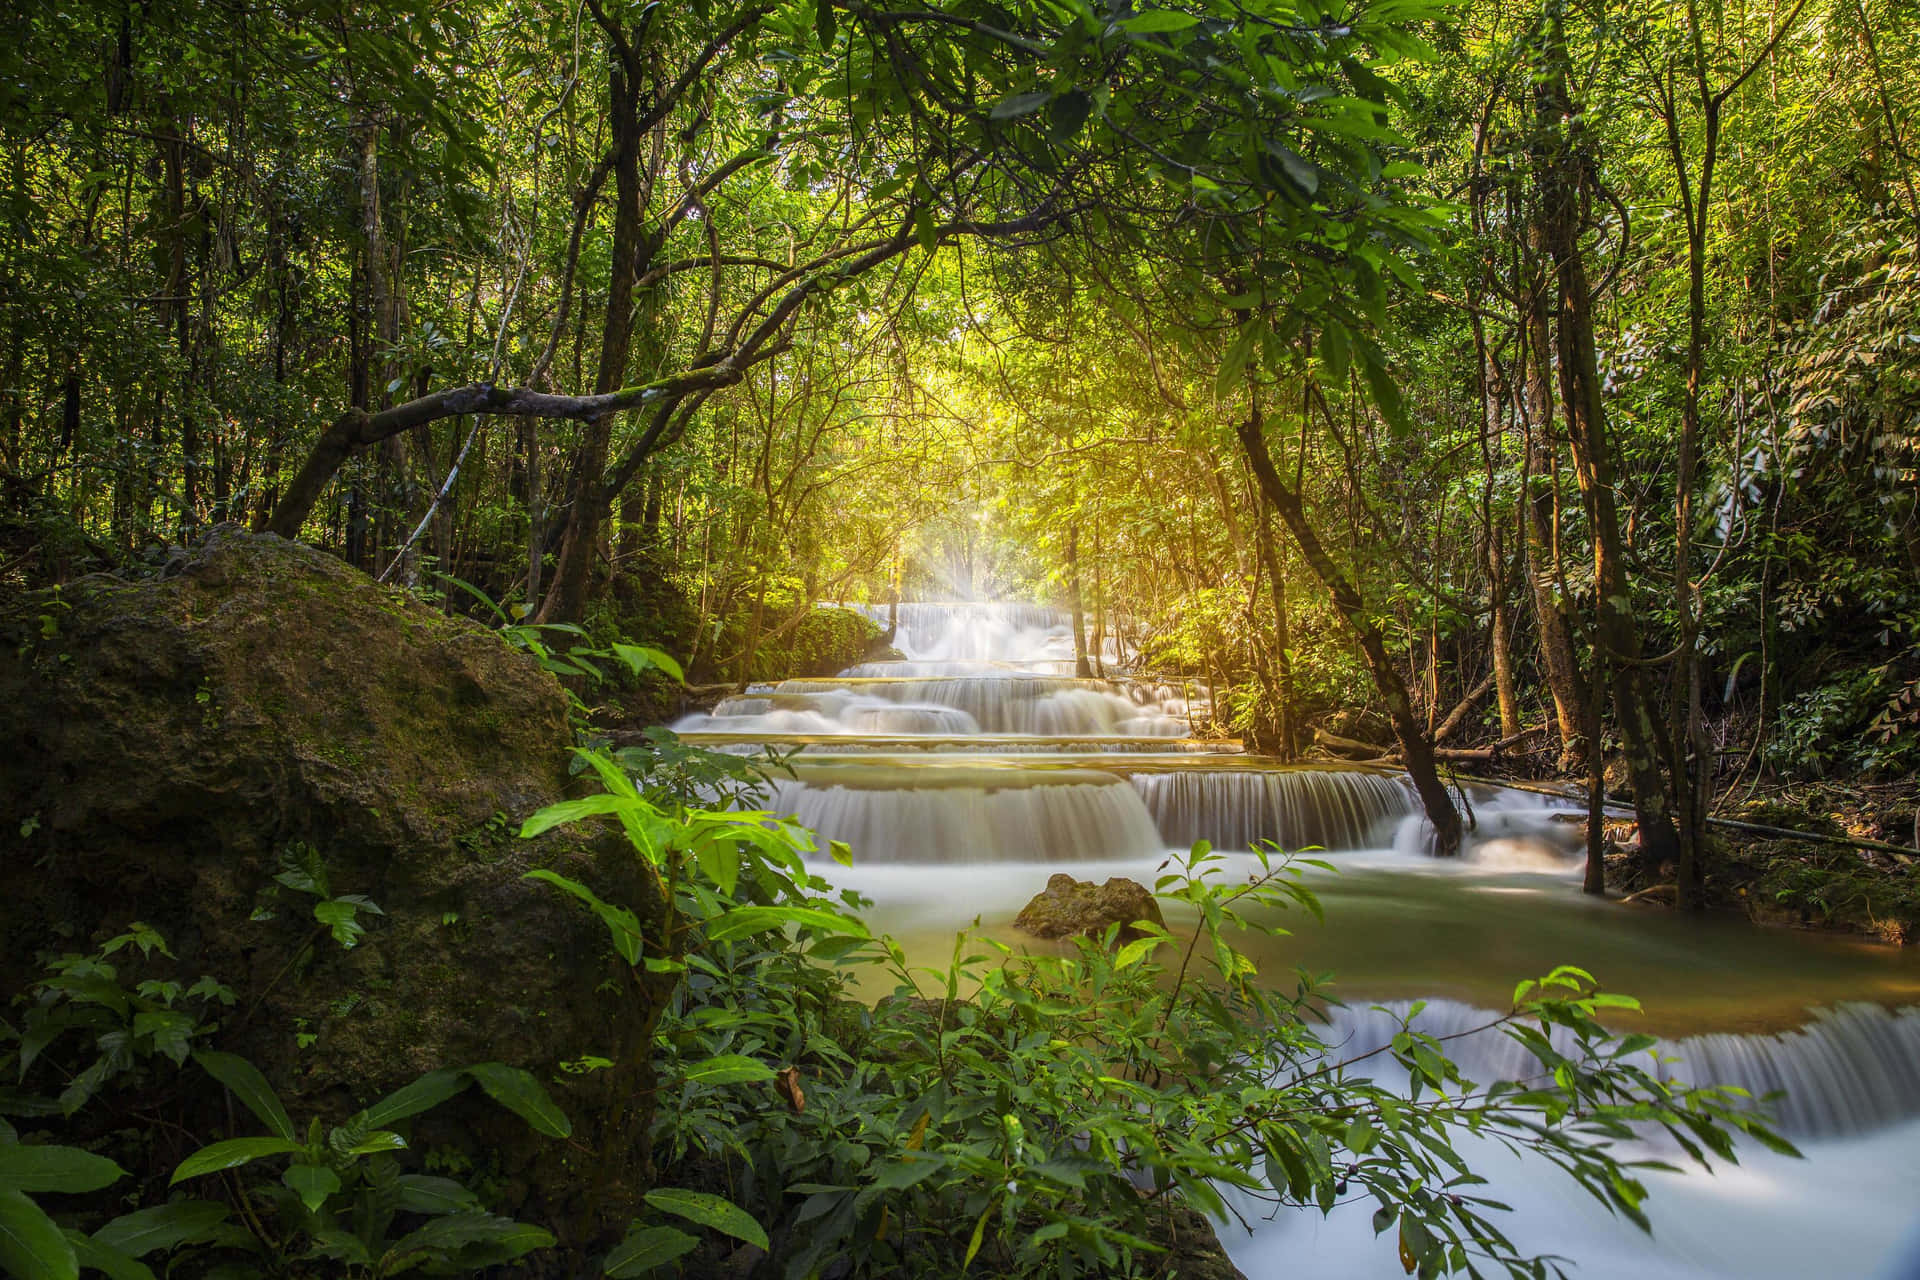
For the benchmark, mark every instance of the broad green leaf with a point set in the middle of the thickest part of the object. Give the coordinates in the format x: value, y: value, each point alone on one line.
x: 456, y: 1231
x: 66, y: 1169
x: 112, y: 1263
x: 742, y: 921
x: 164, y: 1226
x: 622, y: 925
x: 640, y: 657
x: 248, y: 1085
x: 31, y: 1246
x: 1155, y: 21
x: 646, y: 1249
x: 714, y: 1212
x: 728, y: 1068
x: 566, y: 811
x: 313, y: 1183
x: 342, y: 920
x: 231, y: 1154
x: 1018, y: 104
x: 424, y: 1094
x: 376, y: 1142
x: 520, y: 1093
x: 422, y: 1193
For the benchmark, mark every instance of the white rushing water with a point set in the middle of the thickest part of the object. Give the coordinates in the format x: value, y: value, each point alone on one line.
x: 967, y: 772
x: 1852, y: 1077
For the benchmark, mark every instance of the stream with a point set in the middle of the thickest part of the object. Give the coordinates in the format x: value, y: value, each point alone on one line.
x: 966, y: 774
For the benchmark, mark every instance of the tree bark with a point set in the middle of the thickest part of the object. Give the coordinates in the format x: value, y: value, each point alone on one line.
x: 1414, y: 747
x: 1562, y: 183
x: 1081, y: 667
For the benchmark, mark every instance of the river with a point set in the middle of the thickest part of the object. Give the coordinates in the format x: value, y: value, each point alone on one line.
x: 965, y: 775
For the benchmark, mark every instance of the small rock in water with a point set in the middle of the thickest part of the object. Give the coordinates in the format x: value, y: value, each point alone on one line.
x: 1069, y: 906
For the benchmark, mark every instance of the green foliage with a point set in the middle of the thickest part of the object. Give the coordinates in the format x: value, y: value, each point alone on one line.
x: 342, y: 1197
x: 304, y: 871
x: 127, y: 1026
x: 1011, y: 1120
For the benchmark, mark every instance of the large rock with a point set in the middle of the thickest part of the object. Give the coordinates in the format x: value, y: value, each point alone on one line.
x: 1068, y: 906
x: 169, y: 739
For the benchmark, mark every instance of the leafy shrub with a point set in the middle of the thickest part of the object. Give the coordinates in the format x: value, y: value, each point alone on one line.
x: 1036, y: 1115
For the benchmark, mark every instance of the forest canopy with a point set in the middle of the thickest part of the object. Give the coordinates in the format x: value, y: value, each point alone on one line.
x: 1357, y: 358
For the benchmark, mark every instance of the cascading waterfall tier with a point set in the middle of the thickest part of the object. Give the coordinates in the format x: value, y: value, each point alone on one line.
x: 1001, y: 703
x: 1007, y: 632
x: 1293, y: 808
x: 958, y: 815
x: 1849, y: 1070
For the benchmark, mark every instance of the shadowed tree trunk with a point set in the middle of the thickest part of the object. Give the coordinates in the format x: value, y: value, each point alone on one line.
x: 1414, y: 746
x: 1562, y: 184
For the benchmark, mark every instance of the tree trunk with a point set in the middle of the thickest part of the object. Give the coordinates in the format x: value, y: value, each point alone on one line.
x: 1562, y: 183
x: 1285, y: 741
x: 1540, y: 511
x: 566, y: 599
x: 1081, y: 667
x: 1414, y: 747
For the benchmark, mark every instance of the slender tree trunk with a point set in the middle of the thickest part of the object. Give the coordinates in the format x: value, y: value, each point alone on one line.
x: 566, y: 599
x: 1286, y: 742
x: 1414, y: 746
x: 1081, y: 667
x: 1562, y: 183
x: 1540, y: 510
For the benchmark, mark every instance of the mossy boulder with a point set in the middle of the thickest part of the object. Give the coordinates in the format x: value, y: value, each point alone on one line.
x: 1067, y: 907
x: 170, y: 738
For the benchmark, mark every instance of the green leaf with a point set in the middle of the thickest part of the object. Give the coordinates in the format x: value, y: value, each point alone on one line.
x: 422, y: 1193
x: 376, y: 1142
x: 164, y: 1226
x: 1068, y: 113
x: 1136, y: 951
x: 114, y: 1264
x: 1019, y: 104
x: 622, y: 925
x: 341, y: 919
x: 520, y: 1093
x: 31, y: 1246
x: 313, y: 1183
x: 455, y: 1231
x: 714, y: 1212
x: 646, y: 1249
x: 1386, y: 394
x: 1301, y: 172
x: 1227, y: 382
x: 66, y: 1169
x: 728, y: 1068
x: 424, y: 1094
x: 248, y: 1085
x: 231, y: 1154
x: 1156, y: 21
x: 640, y: 657
x: 559, y: 815
x: 742, y: 921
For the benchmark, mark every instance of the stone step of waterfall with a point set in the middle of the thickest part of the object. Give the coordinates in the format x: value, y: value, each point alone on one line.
x: 953, y: 706
x: 848, y: 743
x: 967, y: 807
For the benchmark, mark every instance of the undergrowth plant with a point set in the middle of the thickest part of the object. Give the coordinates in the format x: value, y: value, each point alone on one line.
x: 1040, y: 1115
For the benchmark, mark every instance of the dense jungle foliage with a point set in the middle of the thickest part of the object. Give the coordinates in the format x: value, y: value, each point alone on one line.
x: 1515, y: 384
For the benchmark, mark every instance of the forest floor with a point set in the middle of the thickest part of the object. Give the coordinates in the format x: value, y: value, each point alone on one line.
x: 1801, y: 883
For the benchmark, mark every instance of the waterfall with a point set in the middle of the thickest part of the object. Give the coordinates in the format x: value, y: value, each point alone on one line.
x: 1294, y: 808
x: 998, y: 703
x: 1850, y: 1070
x: 973, y: 816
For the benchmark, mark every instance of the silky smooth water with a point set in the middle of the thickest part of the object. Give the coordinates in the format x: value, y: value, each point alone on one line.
x: 967, y: 774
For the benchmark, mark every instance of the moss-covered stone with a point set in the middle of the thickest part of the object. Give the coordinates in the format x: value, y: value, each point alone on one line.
x: 169, y: 738
x: 1068, y: 906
